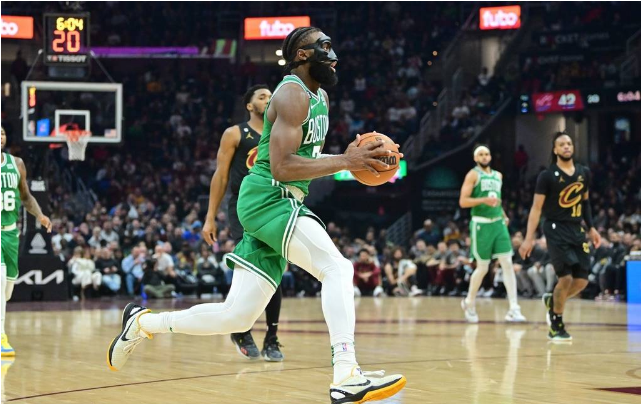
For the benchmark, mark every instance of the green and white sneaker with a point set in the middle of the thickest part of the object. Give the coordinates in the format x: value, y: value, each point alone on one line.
x: 130, y: 336
x: 361, y: 386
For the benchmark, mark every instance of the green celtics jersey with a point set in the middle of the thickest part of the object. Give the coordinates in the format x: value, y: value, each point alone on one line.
x: 314, y: 131
x: 487, y: 185
x: 10, y: 195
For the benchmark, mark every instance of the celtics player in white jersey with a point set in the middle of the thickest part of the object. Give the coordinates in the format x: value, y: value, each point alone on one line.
x: 278, y: 228
x: 481, y: 191
x: 15, y: 192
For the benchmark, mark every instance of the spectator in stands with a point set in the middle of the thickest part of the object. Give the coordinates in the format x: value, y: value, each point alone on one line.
x: 132, y: 268
x: 94, y: 241
x: 165, y: 265
x: 154, y: 286
x: 108, y: 234
x: 541, y: 273
x: 399, y: 272
x: 210, y: 275
x: 523, y: 282
x: 61, y: 234
x: 84, y: 271
x: 367, y: 276
x: 429, y: 233
x: 192, y: 235
x: 611, y: 260
x: 110, y: 271
x: 450, y: 267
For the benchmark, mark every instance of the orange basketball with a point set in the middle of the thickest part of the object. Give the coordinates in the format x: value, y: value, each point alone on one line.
x: 392, y: 159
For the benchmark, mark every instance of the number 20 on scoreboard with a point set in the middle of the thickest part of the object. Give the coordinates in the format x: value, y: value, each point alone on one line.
x: 66, y: 39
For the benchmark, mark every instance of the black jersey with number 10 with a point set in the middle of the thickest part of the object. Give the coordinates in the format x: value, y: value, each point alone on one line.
x: 563, y: 192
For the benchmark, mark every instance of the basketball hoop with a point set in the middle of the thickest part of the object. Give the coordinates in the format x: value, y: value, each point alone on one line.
x: 77, y: 141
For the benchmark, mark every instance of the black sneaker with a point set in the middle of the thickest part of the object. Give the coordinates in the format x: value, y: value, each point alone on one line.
x: 549, y: 303
x: 271, y: 350
x: 245, y: 345
x: 557, y: 329
x: 559, y: 334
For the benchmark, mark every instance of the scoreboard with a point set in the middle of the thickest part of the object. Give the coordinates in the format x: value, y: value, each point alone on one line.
x: 66, y: 39
x: 578, y: 100
x: 558, y: 101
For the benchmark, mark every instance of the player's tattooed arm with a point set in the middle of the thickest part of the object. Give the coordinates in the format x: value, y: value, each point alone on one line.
x: 288, y: 110
x: 28, y: 201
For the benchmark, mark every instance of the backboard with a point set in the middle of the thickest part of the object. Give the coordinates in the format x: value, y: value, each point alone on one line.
x: 51, y: 107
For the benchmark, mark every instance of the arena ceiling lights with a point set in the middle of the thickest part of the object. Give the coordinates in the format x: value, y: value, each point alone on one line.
x: 504, y: 17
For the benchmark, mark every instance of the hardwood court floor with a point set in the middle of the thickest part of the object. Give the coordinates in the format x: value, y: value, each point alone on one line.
x: 61, y: 354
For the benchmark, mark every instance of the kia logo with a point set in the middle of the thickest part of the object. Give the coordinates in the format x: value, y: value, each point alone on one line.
x: 9, y: 28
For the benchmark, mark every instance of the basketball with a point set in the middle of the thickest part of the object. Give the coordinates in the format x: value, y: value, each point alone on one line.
x: 393, y: 160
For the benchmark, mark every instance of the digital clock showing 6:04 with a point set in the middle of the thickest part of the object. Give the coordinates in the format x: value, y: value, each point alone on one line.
x: 66, y: 38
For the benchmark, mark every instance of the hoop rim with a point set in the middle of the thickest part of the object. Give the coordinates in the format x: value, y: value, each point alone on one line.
x: 74, y: 135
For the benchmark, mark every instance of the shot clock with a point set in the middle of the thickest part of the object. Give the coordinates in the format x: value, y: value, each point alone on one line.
x: 66, y: 39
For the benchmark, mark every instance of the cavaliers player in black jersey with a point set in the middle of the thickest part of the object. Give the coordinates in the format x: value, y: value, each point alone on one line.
x: 236, y: 155
x: 562, y: 194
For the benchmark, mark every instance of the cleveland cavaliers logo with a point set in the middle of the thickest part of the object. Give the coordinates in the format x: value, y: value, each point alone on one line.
x: 251, y: 157
x: 571, y: 195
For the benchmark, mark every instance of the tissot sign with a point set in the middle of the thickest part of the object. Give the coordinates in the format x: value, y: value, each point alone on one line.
x: 506, y: 17
x: 15, y: 27
x: 273, y: 27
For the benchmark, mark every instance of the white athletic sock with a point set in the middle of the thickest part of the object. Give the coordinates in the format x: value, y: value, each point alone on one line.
x: 509, y: 280
x: 475, y: 281
x: 312, y: 249
x: 247, y: 299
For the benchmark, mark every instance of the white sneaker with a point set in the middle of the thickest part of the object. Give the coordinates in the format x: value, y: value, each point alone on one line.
x: 470, y: 312
x: 415, y: 291
x: 488, y: 293
x: 130, y: 336
x: 361, y: 386
x: 357, y: 291
x: 379, y: 291
x: 515, y: 316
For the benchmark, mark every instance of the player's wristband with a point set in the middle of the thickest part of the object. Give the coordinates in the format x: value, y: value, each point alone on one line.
x: 587, y: 213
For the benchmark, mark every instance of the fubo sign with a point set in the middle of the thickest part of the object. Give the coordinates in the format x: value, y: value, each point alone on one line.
x: 506, y: 17
x: 262, y: 28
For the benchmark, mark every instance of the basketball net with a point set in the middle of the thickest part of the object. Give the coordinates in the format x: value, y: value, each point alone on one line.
x: 77, y: 141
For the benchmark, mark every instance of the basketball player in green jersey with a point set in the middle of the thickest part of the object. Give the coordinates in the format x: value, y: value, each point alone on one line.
x: 236, y: 155
x: 14, y: 192
x: 280, y: 228
x: 481, y: 191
